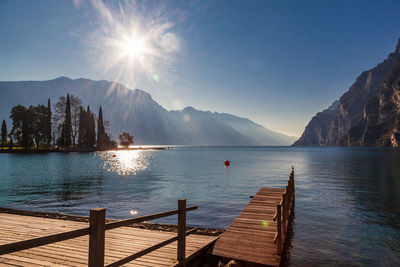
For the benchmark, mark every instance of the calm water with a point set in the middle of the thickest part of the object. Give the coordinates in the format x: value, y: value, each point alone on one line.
x: 347, y: 200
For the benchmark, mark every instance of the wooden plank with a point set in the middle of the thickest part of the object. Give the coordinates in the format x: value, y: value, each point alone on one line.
x: 119, y: 243
x: 251, y: 236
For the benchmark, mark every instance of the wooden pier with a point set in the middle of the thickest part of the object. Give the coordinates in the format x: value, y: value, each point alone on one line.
x: 258, y: 235
x: 37, y: 241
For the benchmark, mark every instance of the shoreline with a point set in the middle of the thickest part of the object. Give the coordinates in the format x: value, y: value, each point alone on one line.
x: 143, y: 225
x: 73, y: 150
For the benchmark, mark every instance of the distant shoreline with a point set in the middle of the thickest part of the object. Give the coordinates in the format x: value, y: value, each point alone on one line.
x: 70, y: 150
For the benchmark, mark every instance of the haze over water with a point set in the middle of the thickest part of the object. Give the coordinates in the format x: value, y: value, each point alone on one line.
x: 347, y: 199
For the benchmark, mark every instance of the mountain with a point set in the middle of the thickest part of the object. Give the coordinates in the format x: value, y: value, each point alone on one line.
x: 342, y: 123
x: 380, y: 125
x: 136, y: 112
x: 259, y: 134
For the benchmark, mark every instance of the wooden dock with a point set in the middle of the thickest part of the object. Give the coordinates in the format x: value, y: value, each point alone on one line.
x: 140, y: 247
x: 258, y: 235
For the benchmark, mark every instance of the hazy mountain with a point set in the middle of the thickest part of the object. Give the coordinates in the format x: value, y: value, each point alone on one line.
x: 341, y: 124
x: 136, y: 112
x: 258, y: 133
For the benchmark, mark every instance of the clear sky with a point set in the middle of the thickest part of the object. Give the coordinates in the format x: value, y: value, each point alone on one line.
x: 275, y: 62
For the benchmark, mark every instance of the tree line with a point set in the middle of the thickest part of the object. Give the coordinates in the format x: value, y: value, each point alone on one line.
x: 71, y: 126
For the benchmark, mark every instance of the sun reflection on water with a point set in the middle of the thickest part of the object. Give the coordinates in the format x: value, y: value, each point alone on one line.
x: 125, y: 162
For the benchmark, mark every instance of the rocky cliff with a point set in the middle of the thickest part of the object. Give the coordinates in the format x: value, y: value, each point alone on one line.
x: 344, y: 123
x: 381, y: 122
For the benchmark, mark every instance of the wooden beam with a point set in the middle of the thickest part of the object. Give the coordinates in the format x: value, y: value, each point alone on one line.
x: 181, y: 231
x: 40, y: 241
x: 127, y: 222
x: 97, y: 237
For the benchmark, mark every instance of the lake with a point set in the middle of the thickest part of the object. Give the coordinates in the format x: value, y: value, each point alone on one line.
x: 347, y: 199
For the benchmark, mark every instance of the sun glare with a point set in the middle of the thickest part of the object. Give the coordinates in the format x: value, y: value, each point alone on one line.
x: 133, y: 44
x: 125, y: 162
x: 134, y: 47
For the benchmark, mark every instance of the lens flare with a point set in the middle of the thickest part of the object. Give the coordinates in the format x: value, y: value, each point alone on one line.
x: 133, y: 43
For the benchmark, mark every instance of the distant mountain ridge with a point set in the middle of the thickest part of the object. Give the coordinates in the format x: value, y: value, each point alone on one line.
x: 345, y: 123
x: 136, y: 112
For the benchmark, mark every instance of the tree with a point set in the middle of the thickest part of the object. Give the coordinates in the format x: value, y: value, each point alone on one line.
x: 125, y: 139
x: 4, y: 133
x: 48, y: 124
x: 59, y: 115
x: 67, y: 123
x: 39, y: 124
x: 92, y: 131
x: 82, y: 134
x: 87, y: 129
x: 101, y: 134
x: 22, y: 129
x: 61, y: 140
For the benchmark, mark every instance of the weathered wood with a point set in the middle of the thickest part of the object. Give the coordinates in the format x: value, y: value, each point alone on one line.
x: 148, y: 250
x: 181, y: 231
x: 279, y: 229
x: 284, y: 219
x: 120, y: 243
x: 250, y: 236
x: 198, y: 252
x: 97, y: 237
x: 127, y: 222
x: 40, y: 241
x: 259, y: 233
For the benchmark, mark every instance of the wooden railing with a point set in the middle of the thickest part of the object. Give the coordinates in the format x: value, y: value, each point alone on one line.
x: 283, y: 213
x: 96, y: 232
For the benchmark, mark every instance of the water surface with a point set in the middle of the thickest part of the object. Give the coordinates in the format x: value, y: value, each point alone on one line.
x: 347, y: 199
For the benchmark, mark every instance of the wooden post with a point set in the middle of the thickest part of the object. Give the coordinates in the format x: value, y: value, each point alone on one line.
x: 284, y: 207
x: 181, y: 231
x: 278, y: 226
x: 97, y: 237
x: 288, y: 201
x: 292, y: 176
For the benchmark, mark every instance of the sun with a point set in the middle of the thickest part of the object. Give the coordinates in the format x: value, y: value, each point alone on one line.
x: 133, y: 47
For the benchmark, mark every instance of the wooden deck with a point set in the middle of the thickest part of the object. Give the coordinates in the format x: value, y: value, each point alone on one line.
x: 251, y: 236
x: 120, y: 242
x: 258, y: 235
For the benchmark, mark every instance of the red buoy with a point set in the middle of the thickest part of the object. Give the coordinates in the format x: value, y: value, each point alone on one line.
x: 227, y: 163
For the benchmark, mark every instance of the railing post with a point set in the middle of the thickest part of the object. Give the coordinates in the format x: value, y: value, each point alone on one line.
x: 181, y: 231
x: 293, y: 191
x: 284, y: 208
x: 97, y: 237
x: 279, y: 225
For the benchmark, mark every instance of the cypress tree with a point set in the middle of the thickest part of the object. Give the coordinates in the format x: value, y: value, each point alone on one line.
x: 48, y: 124
x: 92, y: 130
x: 87, y: 127
x: 67, y: 124
x: 81, y: 133
x: 4, y: 132
x: 100, y: 129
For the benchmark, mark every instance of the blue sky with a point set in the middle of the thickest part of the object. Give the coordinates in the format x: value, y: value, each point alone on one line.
x: 275, y: 62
